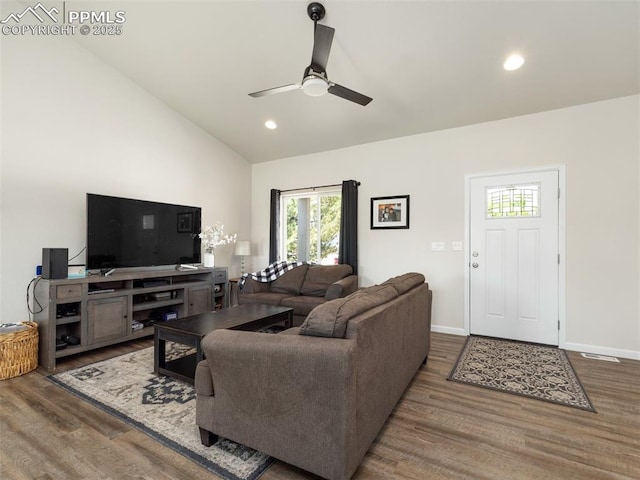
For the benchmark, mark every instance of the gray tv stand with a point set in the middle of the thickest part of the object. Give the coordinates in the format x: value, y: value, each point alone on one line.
x: 100, y: 311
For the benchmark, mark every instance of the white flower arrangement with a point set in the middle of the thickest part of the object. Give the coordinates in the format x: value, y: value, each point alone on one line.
x: 213, y: 237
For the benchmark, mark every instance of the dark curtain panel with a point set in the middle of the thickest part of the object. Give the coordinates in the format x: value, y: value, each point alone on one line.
x: 348, y: 253
x: 274, y: 228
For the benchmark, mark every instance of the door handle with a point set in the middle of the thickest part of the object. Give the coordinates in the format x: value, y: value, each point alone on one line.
x: 474, y: 264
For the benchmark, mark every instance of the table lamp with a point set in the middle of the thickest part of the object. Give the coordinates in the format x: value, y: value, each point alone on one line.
x: 243, y: 248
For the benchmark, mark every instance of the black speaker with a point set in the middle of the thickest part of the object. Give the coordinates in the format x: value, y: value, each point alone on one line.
x: 55, y: 262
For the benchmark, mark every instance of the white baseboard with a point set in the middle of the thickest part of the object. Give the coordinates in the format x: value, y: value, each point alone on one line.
x: 449, y: 330
x: 610, y: 352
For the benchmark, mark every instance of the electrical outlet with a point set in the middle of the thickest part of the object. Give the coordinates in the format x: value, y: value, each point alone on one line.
x: 456, y: 246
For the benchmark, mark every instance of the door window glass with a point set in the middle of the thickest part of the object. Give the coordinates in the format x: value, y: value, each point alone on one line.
x: 513, y: 201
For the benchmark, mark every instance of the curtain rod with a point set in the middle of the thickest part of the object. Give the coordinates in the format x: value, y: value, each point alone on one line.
x: 313, y: 188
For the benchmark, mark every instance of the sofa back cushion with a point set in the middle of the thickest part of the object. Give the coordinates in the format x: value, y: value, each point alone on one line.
x: 320, y: 277
x: 290, y: 281
x: 404, y: 283
x: 330, y: 319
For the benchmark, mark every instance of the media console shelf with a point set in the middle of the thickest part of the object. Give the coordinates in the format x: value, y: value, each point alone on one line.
x: 97, y: 311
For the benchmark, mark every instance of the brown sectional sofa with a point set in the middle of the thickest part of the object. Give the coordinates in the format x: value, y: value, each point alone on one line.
x: 302, y: 288
x: 316, y: 396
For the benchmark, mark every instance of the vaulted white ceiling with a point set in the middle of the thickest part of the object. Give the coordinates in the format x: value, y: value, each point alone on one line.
x: 429, y: 65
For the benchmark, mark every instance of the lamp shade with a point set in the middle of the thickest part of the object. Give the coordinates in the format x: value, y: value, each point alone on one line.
x: 243, y: 248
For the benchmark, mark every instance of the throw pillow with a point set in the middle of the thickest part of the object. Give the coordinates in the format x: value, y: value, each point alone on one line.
x: 330, y: 319
x: 291, y: 281
x: 320, y: 277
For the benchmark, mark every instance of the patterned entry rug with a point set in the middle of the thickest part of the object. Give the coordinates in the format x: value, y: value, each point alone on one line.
x: 526, y: 369
x: 162, y: 407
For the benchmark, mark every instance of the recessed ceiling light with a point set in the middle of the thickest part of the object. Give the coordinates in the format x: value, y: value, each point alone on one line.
x: 514, y: 62
x: 271, y: 125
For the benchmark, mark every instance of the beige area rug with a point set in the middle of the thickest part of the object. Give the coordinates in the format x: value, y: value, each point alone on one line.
x: 530, y: 370
x: 162, y: 407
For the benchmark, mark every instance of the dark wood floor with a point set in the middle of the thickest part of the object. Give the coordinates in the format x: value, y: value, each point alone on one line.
x: 439, y: 430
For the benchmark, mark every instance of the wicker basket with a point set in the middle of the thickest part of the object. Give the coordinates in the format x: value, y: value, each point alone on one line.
x: 19, y: 351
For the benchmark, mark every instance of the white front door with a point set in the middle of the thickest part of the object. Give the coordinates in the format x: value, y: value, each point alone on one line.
x: 514, y: 256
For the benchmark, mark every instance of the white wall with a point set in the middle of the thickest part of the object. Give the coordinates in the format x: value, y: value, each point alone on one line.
x: 598, y: 143
x: 72, y: 125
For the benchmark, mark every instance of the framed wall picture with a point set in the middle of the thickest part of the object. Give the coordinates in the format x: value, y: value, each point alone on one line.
x: 390, y: 212
x: 185, y: 222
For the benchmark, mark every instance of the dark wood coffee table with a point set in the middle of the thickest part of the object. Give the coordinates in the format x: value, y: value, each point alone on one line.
x: 190, y: 331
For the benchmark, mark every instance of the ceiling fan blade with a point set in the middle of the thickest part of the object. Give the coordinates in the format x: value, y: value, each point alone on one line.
x: 323, y: 37
x: 270, y: 91
x: 348, y: 94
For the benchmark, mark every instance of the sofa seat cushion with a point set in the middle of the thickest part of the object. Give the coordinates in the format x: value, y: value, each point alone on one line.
x: 320, y: 277
x: 302, y: 304
x: 330, y: 319
x: 268, y: 298
x: 404, y: 283
x: 291, y: 281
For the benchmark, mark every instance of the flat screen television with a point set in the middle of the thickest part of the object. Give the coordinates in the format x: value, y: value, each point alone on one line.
x: 128, y: 233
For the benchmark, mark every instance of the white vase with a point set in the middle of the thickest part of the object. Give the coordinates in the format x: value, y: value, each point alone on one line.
x: 209, y: 260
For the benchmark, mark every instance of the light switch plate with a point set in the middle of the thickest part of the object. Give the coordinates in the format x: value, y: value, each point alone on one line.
x: 437, y: 246
x: 456, y: 246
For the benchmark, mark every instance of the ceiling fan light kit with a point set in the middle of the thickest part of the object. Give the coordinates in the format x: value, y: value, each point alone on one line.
x: 314, y: 86
x: 315, y: 81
